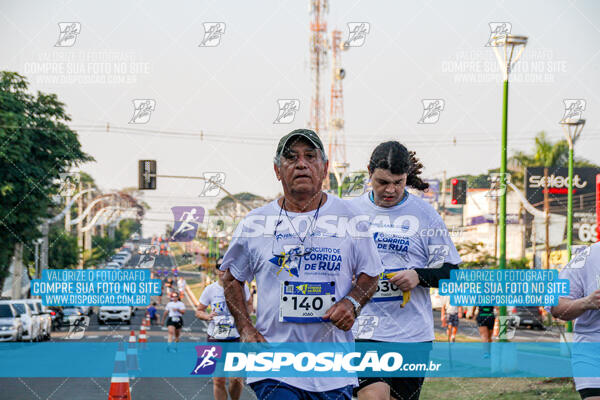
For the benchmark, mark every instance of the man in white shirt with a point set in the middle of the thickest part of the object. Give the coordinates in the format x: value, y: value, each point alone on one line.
x: 583, y: 305
x: 304, y: 272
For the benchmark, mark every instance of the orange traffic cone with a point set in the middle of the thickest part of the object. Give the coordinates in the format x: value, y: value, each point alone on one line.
x: 496, y: 330
x: 142, y: 338
x: 119, y: 382
x: 132, y: 355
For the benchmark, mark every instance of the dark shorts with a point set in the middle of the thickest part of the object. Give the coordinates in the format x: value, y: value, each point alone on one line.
x: 401, y: 388
x: 452, y: 319
x: 487, y: 321
x: 271, y: 389
x: 212, y: 339
x: 589, y: 392
x: 177, y: 324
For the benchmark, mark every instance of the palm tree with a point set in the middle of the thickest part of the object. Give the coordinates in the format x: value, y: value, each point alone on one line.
x: 547, y: 154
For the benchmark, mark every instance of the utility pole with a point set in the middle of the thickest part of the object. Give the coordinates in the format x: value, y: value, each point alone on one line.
x: 88, y: 233
x: 79, y: 226
x: 44, y: 254
x: 547, y: 217
x: 443, y: 206
x: 17, y: 267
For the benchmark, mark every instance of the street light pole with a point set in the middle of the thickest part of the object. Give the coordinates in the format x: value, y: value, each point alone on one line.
x: 572, y: 129
x: 507, y: 59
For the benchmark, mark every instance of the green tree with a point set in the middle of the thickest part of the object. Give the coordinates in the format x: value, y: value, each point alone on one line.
x: 36, y: 145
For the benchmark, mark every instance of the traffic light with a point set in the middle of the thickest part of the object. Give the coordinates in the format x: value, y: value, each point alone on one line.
x: 459, y: 191
x: 147, y: 174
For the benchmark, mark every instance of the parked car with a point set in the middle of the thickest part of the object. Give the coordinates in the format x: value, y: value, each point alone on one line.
x: 11, y: 328
x: 45, y: 320
x: 114, y: 313
x: 31, y: 322
x: 529, y: 316
x: 114, y: 264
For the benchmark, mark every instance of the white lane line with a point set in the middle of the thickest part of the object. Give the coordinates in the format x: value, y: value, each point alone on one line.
x: 93, y: 337
x: 103, y: 328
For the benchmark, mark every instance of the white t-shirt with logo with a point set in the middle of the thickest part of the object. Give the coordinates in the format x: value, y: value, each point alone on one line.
x: 298, y: 281
x: 408, y: 235
x: 222, y: 326
x: 583, y: 273
x: 173, y: 308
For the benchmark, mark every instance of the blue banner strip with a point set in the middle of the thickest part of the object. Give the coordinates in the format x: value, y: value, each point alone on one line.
x: 97, y: 359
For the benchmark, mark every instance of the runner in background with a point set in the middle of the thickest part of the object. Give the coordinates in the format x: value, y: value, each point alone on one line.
x: 174, y: 311
x: 416, y: 251
x: 152, y: 313
x: 221, y: 328
x: 485, y: 322
x: 180, y: 285
x: 450, y: 315
x: 583, y: 305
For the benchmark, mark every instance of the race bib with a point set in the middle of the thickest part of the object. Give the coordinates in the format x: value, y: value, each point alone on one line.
x: 305, y: 302
x: 224, y: 327
x: 387, y: 291
x: 175, y: 319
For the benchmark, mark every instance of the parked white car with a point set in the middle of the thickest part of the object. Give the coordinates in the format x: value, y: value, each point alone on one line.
x: 114, y: 313
x: 11, y: 328
x: 114, y: 264
x: 31, y: 322
x: 45, y: 320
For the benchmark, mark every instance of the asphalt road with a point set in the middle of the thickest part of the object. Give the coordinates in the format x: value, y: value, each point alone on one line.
x: 163, y: 388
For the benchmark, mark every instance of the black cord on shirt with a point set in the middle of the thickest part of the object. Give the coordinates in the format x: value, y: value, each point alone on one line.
x: 430, y: 277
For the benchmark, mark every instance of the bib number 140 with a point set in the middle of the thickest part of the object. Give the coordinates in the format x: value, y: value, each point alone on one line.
x: 304, y: 302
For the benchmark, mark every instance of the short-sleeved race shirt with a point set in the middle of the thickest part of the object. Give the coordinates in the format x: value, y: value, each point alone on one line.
x: 302, y: 267
x: 221, y: 326
x: 583, y: 273
x: 173, y: 308
x: 408, y: 235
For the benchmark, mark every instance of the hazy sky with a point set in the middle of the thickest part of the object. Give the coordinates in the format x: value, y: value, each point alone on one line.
x: 413, y: 51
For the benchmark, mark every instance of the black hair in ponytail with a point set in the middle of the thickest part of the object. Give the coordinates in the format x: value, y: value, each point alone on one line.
x: 397, y: 159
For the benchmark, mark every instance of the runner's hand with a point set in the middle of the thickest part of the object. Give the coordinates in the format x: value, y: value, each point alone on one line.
x: 593, y: 301
x: 212, y: 315
x: 251, y: 335
x: 341, y: 314
x: 405, y: 280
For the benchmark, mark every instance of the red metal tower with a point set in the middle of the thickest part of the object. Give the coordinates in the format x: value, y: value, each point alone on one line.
x: 318, y: 61
x: 336, y: 150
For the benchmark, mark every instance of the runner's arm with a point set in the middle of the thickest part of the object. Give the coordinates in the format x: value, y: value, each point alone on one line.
x: 202, y: 314
x: 569, y: 309
x: 234, y: 296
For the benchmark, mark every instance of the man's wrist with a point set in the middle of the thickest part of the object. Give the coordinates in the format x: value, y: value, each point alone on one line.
x: 355, y: 305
